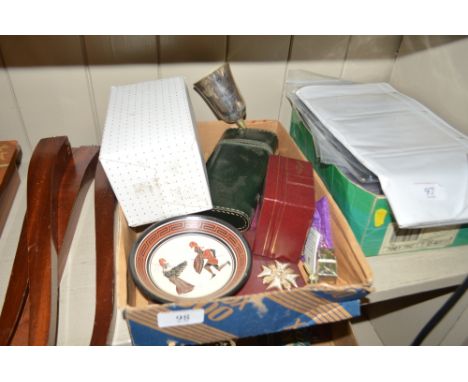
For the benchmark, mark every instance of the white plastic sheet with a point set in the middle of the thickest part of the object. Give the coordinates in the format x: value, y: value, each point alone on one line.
x: 420, y: 160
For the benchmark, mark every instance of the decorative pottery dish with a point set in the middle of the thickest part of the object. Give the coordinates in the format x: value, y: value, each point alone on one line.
x: 190, y: 258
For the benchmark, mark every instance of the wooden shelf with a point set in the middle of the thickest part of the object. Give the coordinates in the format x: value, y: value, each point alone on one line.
x: 410, y: 273
x: 394, y: 275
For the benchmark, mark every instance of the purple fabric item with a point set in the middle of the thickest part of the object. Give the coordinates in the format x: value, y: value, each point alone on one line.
x: 321, y: 223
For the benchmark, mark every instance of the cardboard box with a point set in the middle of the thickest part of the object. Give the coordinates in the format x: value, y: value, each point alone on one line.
x: 234, y: 317
x: 369, y: 215
x: 149, y: 136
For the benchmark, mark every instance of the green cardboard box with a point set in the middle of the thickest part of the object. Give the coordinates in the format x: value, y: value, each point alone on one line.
x: 369, y: 215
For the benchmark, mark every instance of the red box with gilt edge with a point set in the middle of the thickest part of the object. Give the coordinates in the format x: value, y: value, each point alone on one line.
x: 286, y: 210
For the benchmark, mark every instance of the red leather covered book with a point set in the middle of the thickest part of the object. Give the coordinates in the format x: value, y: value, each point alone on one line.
x: 287, y: 209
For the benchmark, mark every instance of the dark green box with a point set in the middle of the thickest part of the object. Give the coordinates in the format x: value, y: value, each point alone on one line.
x: 369, y: 215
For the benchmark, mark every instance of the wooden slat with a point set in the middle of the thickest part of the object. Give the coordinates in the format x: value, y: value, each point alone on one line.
x: 105, y: 204
x: 46, y: 168
x: 10, y: 154
x: 57, y: 182
x: 73, y: 187
x: 10, y: 115
x: 17, y: 291
x: 21, y: 334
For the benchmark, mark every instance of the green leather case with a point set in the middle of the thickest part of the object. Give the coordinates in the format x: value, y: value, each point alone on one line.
x: 236, y: 171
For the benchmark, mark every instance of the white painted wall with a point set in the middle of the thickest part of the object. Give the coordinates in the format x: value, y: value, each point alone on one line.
x: 53, y: 85
x: 434, y: 70
x: 59, y: 85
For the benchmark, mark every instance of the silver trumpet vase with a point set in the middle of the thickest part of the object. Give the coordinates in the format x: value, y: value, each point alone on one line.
x: 220, y: 92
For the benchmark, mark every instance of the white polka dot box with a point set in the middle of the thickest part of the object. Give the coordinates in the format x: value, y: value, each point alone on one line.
x: 150, y: 152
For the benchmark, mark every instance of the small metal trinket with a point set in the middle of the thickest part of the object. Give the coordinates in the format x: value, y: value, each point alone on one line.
x: 278, y: 275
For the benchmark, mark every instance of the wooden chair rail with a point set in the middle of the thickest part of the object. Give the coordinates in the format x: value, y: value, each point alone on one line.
x: 104, y: 207
x: 17, y: 291
x: 58, y: 179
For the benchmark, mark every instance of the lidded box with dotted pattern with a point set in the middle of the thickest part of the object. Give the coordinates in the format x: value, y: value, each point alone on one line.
x: 151, y: 154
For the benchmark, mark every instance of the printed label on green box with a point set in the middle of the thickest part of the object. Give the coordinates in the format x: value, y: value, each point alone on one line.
x: 405, y: 240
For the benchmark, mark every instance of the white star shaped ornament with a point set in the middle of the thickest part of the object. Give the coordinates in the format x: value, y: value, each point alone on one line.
x: 278, y: 275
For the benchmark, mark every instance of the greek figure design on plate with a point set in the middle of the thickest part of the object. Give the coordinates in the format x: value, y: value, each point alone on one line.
x: 206, y: 259
x: 173, y: 274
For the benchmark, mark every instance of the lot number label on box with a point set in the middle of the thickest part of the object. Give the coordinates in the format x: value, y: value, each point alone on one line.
x: 180, y: 317
x: 430, y: 191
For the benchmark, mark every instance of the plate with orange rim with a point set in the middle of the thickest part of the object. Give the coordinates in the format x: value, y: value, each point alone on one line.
x: 190, y: 258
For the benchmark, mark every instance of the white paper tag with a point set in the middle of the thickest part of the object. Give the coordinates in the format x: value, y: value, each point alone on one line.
x: 430, y: 191
x: 180, y: 317
x: 311, y: 248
